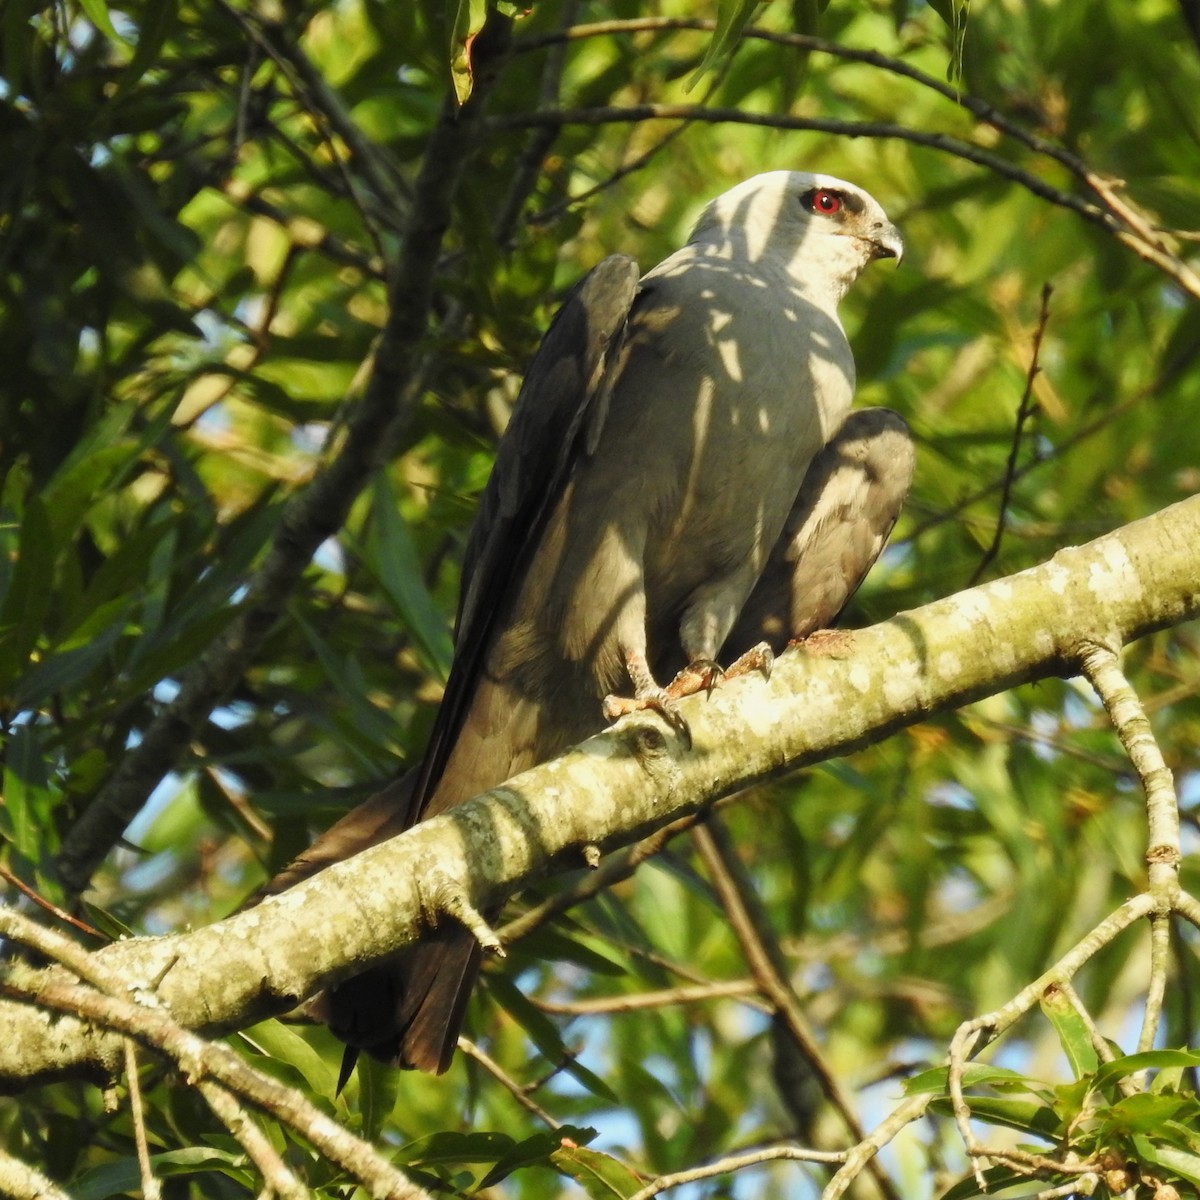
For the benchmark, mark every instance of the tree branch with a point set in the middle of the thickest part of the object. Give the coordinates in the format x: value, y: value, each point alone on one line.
x: 617, y: 786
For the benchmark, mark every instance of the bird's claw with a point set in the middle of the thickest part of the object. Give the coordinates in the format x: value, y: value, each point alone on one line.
x: 757, y: 658
x: 658, y: 700
x: 702, y: 675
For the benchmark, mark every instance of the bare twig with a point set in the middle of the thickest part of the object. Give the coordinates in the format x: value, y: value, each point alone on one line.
x: 858, y: 1156
x: 54, y: 910
x: 275, y: 1172
x: 971, y: 1036
x: 696, y: 993
x: 1114, y: 212
x: 1102, y: 668
x: 519, y: 1093
x: 737, y: 1162
x: 1025, y: 410
x: 614, y: 114
x: 765, y: 960
x: 611, y: 871
x: 1099, y: 1041
x: 151, y: 1188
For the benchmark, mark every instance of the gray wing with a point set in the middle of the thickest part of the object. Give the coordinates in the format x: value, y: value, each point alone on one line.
x: 562, y: 403
x: 839, y: 524
x: 563, y: 397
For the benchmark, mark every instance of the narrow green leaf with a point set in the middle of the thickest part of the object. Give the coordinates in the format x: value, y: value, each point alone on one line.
x: 469, y: 18
x: 278, y: 1042
x: 1169, y: 1159
x: 97, y: 12
x: 123, y: 1176
x: 732, y: 18
x: 600, y: 1175
x: 1026, y: 1115
x: 531, y: 1151
x: 975, y: 1075
x: 1147, y: 1060
x: 1073, y: 1033
x: 27, y: 797
x: 451, y: 1147
x: 393, y: 558
x: 378, y: 1087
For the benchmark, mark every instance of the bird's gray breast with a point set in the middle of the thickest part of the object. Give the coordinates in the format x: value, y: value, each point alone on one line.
x: 735, y: 380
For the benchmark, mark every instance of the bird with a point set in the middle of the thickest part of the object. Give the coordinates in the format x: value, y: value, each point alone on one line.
x: 681, y: 478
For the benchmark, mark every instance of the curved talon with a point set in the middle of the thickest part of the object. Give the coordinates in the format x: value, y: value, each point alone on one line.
x: 757, y: 658
x: 701, y: 675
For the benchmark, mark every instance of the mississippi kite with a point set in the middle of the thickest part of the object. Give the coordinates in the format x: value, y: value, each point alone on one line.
x: 679, y: 477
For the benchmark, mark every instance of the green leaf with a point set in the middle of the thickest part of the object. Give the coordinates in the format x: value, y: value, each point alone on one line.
x: 279, y: 1042
x: 539, y: 1148
x: 732, y: 18
x: 936, y: 1079
x: 452, y: 1147
x: 1171, y: 1160
x: 1145, y: 1112
x: 1073, y: 1034
x: 600, y: 1175
x: 544, y: 1034
x: 393, y: 557
x: 28, y: 798
x: 124, y: 1176
x: 1025, y: 1115
x: 1147, y: 1060
x: 97, y: 11
x: 468, y: 21
x: 378, y: 1087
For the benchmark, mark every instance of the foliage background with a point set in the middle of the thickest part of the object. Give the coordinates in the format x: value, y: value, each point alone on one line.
x: 199, y: 206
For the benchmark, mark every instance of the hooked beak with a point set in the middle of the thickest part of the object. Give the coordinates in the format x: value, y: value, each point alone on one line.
x: 887, y: 243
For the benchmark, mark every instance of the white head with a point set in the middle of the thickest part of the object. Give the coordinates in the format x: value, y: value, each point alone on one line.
x: 822, y: 230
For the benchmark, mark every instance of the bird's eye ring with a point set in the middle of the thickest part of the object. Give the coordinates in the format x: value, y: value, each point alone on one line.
x: 825, y: 203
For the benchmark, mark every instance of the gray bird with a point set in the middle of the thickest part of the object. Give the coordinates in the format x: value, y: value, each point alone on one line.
x: 679, y: 477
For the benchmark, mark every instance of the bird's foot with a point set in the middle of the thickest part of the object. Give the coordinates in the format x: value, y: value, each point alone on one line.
x: 757, y: 658
x: 654, y: 699
x: 700, y: 676
x: 647, y: 695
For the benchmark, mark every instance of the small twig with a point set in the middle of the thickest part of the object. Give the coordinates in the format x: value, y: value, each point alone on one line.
x: 971, y: 1036
x: 1113, y: 213
x: 884, y: 130
x: 692, y: 994
x: 1188, y: 907
x: 765, y: 960
x: 858, y: 1156
x: 275, y: 1172
x: 1156, y: 986
x: 1085, y: 1185
x: 151, y: 1188
x: 737, y: 1162
x: 50, y: 907
x: 519, y: 1093
x: 612, y: 870
x: 1025, y: 410
x: 1102, y: 667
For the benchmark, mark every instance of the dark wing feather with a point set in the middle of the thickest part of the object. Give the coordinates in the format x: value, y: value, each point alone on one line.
x: 565, y: 391
x: 838, y: 526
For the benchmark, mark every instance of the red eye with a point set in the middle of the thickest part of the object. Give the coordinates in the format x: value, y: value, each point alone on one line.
x: 825, y: 203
